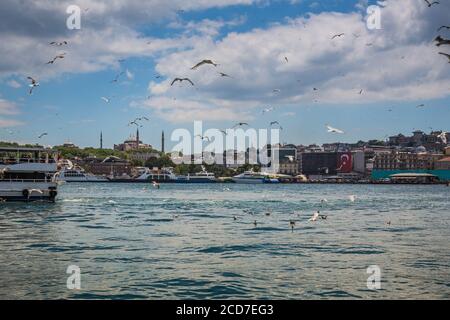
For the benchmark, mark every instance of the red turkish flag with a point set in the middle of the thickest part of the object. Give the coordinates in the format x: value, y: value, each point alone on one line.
x: 345, y: 164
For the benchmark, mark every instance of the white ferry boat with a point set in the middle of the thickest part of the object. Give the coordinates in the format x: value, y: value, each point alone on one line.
x: 251, y: 177
x: 202, y: 177
x: 78, y: 175
x: 27, y: 174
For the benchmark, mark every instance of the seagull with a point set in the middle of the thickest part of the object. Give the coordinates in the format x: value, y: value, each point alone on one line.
x: 352, y: 198
x: 361, y: 91
x: 292, y: 225
x: 42, y: 135
x: 291, y: 158
x: 203, y: 137
x: 224, y: 75
x: 441, y: 41
x: 430, y: 4
x: 337, y: 36
x: 204, y: 62
x: 240, y: 124
x: 443, y: 137
x: 287, y: 60
x: 156, y: 184
x: 443, y: 27
x: 255, y: 223
x: 107, y: 100
x: 116, y: 79
x: 60, y: 56
x: 276, y: 122
x: 276, y: 90
x: 314, y: 217
x: 181, y: 80
x: 446, y: 55
x: 388, y: 223
x: 31, y: 191
x: 334, y: 130
x: 315, y: 89
x: 420, y: 106
x: 59, y: 44
x: 33, y: 84
x: 269, y: 109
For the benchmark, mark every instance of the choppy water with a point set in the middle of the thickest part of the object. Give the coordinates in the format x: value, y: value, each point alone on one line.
x: 133, y: 241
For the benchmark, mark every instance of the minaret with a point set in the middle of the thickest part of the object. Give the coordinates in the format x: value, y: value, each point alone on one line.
x: 101, y: 140
x: 162, y: 142
x: 137, y: 138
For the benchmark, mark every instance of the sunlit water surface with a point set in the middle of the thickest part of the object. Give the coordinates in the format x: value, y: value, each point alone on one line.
x: 135, y: 242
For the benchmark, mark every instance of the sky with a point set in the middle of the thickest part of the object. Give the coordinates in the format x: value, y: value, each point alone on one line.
x: 276, y: 52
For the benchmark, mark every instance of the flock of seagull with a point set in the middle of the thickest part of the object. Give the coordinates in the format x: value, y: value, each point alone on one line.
x: 440, y: 41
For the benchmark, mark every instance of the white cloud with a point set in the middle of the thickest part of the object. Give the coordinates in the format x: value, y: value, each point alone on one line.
x: 14, y: 84
x: 8, y: 108
x: 397, y: 63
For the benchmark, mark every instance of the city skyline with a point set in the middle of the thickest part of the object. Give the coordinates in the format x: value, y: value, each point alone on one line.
x: 278, y: 54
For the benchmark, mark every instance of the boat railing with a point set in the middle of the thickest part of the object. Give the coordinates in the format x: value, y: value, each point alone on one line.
x: 27, y: 180
x: 7, y: 161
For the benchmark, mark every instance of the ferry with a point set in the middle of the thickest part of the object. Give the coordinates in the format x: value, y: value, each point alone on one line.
x: 202, y: 177
x: 27, y: 174
x: 147, y: 175
x: 251, y: 177
x: 78, y: 175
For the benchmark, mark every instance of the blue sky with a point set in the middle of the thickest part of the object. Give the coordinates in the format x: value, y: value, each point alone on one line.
x: 398, y: 68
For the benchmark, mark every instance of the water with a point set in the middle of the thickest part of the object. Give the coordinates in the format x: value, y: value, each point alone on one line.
x: 181, y: 241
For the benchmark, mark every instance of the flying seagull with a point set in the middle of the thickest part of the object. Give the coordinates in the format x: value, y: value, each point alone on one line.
x: 59, y: 56
x: 59, y: 44
x: 107, y: 100
x: 334, y: 130
x: 443, y: 137
x: 276, y: 122
x: 314, y: 217
x: 287, y: 60
x: 224, y: 75
x: 276, y: 90
x: 445, y: 55
x: 33, y: 84
x: 269, y: 109
x: 420, y: 106
x: 430, y: 4
x: 181, y: 80
x: 291, y: 158
x: 441, y: 41
x: 443, y: 27
x: 204, y: 62
x: 240, y: 124
x: 203, y: 137
x: 337, y: 36
x: 116, y: 79
x: 42, y: 135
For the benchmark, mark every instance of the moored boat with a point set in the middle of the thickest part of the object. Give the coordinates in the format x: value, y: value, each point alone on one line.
x: 27, y: 174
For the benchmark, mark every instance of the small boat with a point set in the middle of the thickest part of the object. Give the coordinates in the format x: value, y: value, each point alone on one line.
x: 27, y: 174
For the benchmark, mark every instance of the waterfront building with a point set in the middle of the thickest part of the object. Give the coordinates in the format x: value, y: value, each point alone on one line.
x: 111, y: 166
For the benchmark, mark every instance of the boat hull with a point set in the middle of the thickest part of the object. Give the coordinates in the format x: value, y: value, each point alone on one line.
x: 248, y: 181
x: 24, y: 191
